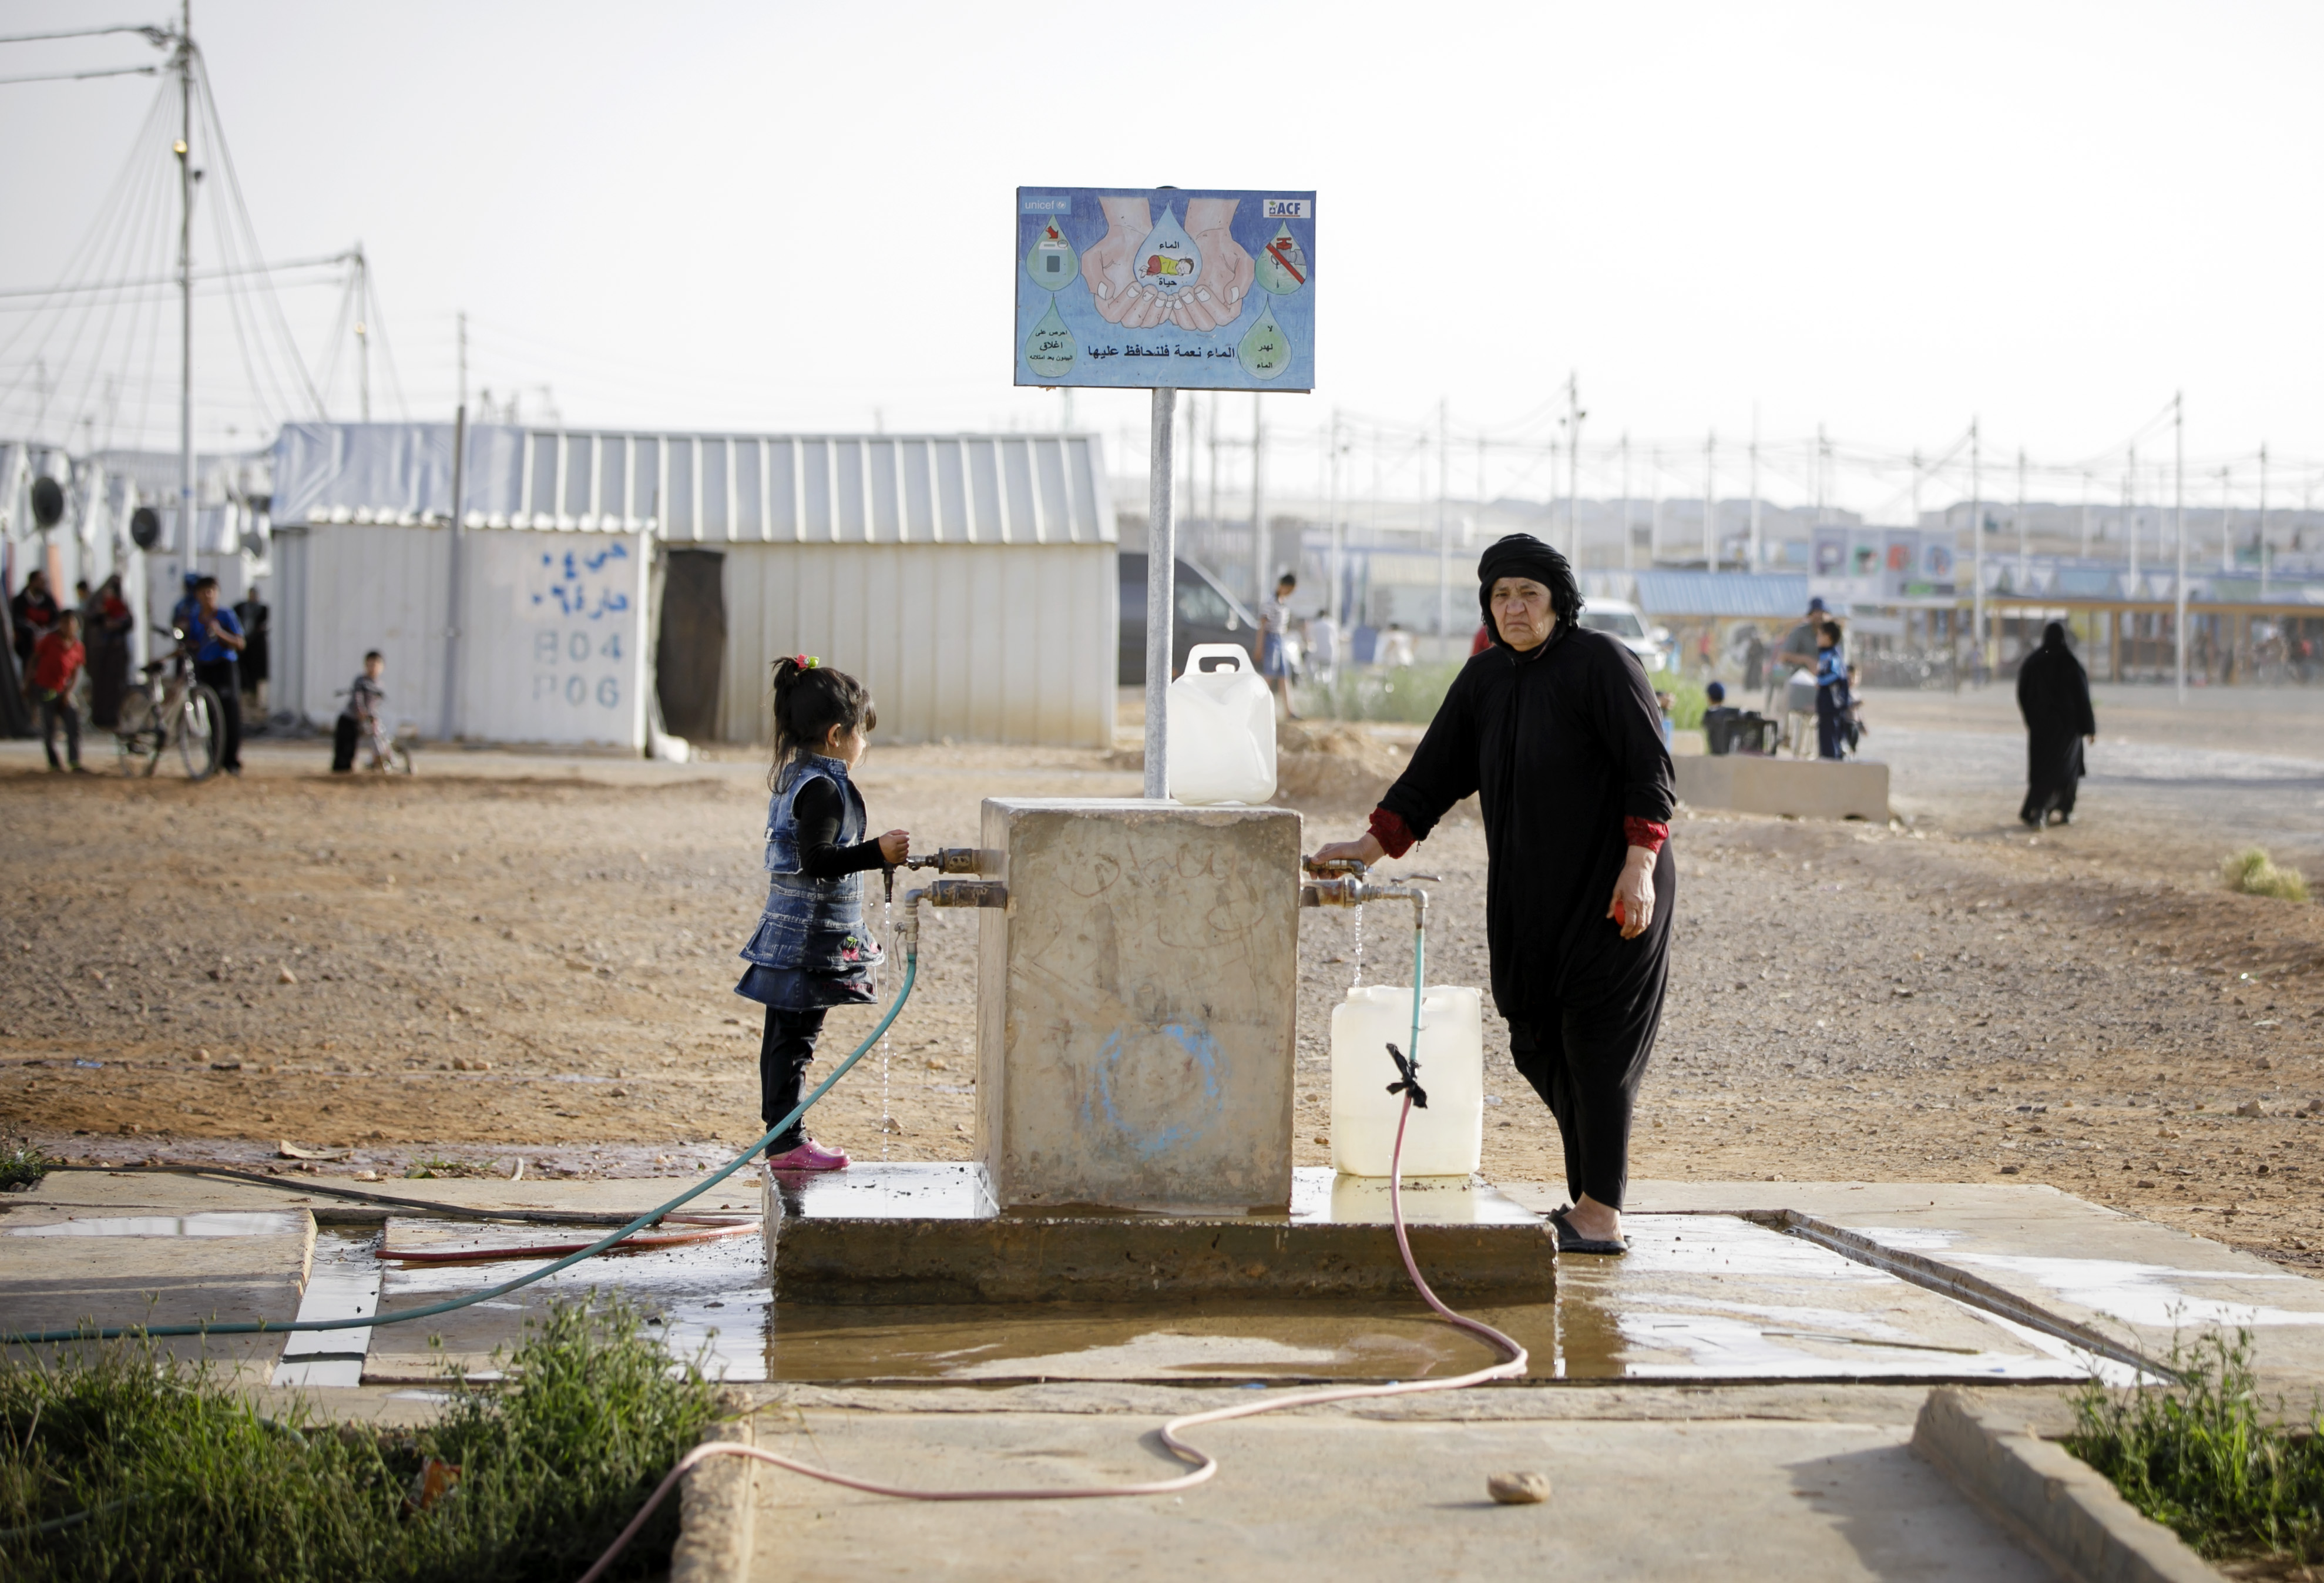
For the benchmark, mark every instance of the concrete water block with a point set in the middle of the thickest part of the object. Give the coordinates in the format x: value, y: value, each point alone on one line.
x: 1135, y: 1003
x: 1801, y: 788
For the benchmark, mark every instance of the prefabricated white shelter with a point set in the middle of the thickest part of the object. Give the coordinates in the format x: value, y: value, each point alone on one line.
x: 969, y: 581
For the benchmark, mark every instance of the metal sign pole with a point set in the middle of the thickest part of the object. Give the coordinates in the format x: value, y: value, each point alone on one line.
x: 1161, y: 595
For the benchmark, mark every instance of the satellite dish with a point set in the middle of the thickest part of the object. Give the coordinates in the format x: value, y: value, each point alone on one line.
x: 145, y: 527
x: 48, y: 503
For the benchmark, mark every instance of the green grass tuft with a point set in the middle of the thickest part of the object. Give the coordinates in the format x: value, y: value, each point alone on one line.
x: 2255, y: 874
x: 2199, y: 1458
x: 188, y: 1482
x: 21, y: 1166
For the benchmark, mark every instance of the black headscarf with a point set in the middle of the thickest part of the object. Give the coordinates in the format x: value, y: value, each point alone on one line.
x: 2054, y: 636
x: 1522, y: 555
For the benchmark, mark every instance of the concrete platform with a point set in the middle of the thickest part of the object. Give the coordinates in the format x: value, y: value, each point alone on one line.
x: 1342, y: 1499
x: 931, y: 1234
x: 1800, y: 788
x: 59, y: 1268
x: 2141, y: 1285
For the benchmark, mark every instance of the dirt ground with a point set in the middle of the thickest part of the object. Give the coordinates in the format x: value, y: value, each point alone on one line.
x: 509, y: 957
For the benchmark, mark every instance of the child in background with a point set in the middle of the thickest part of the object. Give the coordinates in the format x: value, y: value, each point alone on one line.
x: 1664, y: 703
x: 56, y: 664
x: 1853, y: 727
x: 365, y: 695
x: 810, y: 951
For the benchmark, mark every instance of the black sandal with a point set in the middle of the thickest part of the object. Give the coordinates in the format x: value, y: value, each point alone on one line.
x: 1570, y: 1241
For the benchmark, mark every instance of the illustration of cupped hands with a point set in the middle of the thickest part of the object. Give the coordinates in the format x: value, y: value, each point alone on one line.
x: 1123, y: 296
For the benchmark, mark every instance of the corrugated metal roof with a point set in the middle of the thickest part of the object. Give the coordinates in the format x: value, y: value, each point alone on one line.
x: 704, y: 488
x: 1764, y: 596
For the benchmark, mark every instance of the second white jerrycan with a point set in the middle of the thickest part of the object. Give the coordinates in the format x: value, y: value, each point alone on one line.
x: 1222, y: 730
x: 1448, y: 1138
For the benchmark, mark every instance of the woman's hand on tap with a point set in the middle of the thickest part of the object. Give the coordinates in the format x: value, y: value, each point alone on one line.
x: 1366, y: 851
x: 895, y: 847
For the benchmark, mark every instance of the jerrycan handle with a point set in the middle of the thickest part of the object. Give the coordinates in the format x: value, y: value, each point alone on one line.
x: 1201, y: 652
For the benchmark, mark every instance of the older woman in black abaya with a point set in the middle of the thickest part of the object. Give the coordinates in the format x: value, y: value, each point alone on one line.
x: 1554, y: 729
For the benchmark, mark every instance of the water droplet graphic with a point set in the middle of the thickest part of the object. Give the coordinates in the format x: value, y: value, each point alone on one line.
x: 1266, y: 350
x: 1052, y: 262
x: 1282, y: 265
x: 1050, y: 349
x: 1168, y: 263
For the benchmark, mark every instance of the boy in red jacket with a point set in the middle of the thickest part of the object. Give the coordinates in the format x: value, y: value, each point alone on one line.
x: 56, y: 661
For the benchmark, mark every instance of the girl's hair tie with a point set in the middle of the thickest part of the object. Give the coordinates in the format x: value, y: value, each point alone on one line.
x: 805, y: 661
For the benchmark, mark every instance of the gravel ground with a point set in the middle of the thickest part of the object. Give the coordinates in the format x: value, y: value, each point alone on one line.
x: 508, y: 957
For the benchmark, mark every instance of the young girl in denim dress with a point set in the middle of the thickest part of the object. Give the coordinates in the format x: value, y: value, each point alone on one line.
x: 810, y: 951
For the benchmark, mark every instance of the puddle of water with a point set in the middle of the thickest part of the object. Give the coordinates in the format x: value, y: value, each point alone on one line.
x: 268, y: 1222
x: 1181, y: 1341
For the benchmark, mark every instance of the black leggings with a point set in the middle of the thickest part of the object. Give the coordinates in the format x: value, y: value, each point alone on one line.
x: 1586, y: 1063
x: 785, y: 1045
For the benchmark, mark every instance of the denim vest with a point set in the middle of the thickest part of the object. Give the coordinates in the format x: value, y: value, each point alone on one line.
x: 813, y: 925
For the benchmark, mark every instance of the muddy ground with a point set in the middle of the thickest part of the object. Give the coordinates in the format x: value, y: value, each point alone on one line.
x: 508, y: 957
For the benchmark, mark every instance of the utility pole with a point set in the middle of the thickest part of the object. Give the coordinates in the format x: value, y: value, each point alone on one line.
x: 1629, y: 549
x: 186, y: 280
x: 2226, y: 532
x: 2263, y: 522
x: 1574, y: 415
x: 1916, y: 486
x: 2178, y: 525
x: 363, y: 335
x: 1710, y: 501
x: 2024, y: 559
x: 464, y: 358
x: 1259, y: 589
x: 1332, y: 600
x: 1976, y: 548
x: 1758, y: 558
x: 1655, y: 516
x: 1823, y: 449
x: 1443, y: 521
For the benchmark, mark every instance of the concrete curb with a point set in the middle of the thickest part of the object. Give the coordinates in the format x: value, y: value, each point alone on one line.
x: 716, y: 1504
x: 2058, y: 1505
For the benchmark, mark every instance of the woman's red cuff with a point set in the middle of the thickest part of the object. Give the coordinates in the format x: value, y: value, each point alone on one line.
x: 1391, y: 832
x: 1637, y: 832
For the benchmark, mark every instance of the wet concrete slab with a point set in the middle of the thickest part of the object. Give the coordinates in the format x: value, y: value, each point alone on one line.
x: 61, y: 1267
x: 1303, y: 1498
x: 1711, y: 1297
x: 924, y: 1234
x: 708, y: 1301
x: 2143, y: 1285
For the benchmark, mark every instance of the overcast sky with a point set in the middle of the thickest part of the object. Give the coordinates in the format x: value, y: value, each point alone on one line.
x: 1883, y: 218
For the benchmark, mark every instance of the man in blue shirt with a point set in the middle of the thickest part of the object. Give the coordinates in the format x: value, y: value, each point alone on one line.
x: 218, y: 638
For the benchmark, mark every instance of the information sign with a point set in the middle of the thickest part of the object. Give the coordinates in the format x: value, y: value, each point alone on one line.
x: 1166, y: 288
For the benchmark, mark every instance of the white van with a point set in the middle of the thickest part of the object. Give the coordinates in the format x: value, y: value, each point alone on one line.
x: 1625, y: 622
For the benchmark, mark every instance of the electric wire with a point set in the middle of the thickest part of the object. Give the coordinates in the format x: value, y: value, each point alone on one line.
x: 83, y: 76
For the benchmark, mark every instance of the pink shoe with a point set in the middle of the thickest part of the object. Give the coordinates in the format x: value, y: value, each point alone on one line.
x: 809, y: 1155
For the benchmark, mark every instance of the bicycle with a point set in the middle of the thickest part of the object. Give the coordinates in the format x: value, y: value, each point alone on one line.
x: 157, y: 713
x: 389, y: 755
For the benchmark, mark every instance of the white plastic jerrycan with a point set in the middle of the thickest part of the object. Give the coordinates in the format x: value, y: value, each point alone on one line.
x: 1448, y: 1138
x: 1222, y: 730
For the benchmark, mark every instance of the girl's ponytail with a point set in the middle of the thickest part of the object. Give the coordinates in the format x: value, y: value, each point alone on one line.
x: 809, y: 699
